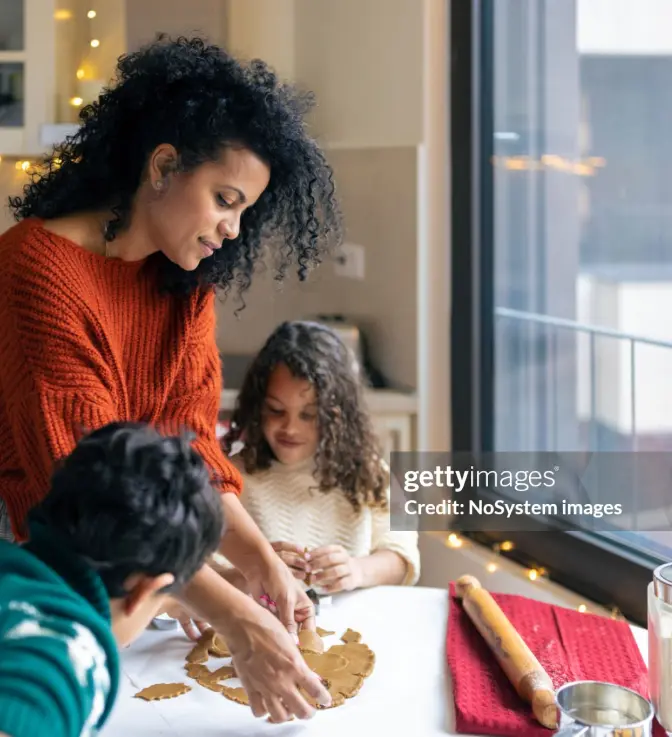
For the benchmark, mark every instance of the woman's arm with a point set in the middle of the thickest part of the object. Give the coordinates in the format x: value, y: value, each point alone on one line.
x: 230, y: 575
x: 194, y: 403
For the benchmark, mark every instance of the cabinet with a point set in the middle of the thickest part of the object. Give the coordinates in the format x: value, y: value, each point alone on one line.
x: 27, y: 76
x: 395, y: 432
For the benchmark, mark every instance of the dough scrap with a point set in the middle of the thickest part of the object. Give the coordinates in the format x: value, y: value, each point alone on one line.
x: 197, y: 671
x: 210, y: 683
x: 344, y: 684
x: 308, y: 578
x: 342, y: 668
x: 198, y: 654
x: 310, y: 642
x: 360, y: 657
x: 209, y: 643
x: 219, y: 648
x: 162, y: 691
x: 211, y: 679
x: 325, y: 664
x: 238, y: 694
x: 351, y: 636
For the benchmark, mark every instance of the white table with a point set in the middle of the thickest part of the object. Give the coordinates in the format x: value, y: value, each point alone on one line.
x: 408, y: 693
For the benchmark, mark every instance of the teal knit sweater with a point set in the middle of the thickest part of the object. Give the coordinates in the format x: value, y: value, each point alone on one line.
x: 59, y: 664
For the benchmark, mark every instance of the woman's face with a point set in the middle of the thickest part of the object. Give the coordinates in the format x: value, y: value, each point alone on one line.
x: 289, y: 416
x: 189, y: 214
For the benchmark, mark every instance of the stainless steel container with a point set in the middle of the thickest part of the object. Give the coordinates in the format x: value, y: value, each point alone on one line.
x: 659, y: 605
x: 598, y: 709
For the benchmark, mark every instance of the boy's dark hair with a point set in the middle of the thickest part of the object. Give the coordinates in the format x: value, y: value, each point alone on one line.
x: 130, y: 500
x: 199, y: 99
x: 347, y: 454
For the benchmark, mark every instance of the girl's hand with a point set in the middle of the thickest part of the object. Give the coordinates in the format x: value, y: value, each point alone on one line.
x: 293, y: 556
x: 334, y: 570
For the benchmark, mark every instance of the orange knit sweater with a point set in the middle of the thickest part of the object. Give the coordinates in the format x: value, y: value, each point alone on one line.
x: 86, y: 340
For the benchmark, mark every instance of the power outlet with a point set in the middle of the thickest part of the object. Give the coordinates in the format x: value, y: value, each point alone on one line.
x: 350, y: 261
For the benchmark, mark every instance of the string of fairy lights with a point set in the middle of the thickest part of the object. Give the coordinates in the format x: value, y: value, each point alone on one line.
x: 91, y: 14
x: 536, y: 575
x: 94, y: 43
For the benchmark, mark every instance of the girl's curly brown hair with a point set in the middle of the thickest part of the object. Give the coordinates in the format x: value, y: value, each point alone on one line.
x: 348, y: 455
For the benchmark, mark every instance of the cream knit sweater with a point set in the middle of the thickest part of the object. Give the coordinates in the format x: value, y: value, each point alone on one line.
x: 286, y: 509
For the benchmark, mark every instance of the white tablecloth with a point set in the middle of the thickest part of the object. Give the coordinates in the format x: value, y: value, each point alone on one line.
x: 408, y: 693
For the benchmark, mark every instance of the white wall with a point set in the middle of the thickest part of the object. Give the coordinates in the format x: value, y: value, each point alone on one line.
x: 263, y: 29
x: 146, y: 18
x: 365, y: 58
x: 624, y: 26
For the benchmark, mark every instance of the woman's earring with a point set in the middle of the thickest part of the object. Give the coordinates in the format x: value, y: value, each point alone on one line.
x: 159, y: 184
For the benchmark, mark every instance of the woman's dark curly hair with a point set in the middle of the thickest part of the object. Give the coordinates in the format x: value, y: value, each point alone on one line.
x: 199, y: 99
x: 348, y: 454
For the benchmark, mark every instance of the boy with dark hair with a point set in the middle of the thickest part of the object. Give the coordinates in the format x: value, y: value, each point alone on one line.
x: 131, y: 516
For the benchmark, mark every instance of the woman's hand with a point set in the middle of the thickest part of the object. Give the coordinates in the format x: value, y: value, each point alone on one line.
x: 275, y: 587
x: 294, y: 557
x: 193, y: 626
x: 267, y: 660
x: 334, y: 570
x: 271, y: 668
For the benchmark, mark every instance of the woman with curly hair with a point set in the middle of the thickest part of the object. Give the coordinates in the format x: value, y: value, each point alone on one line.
x: 168, y: 191
x: 313, y: 479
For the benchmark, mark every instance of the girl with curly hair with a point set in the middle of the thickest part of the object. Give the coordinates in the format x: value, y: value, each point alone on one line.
x: 167, y: 193
x: 313, y: 478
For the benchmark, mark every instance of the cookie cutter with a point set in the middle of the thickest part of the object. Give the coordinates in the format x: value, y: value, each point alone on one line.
x: 600, y: 709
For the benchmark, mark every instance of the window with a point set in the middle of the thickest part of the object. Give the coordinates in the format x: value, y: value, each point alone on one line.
x: 562, y: 191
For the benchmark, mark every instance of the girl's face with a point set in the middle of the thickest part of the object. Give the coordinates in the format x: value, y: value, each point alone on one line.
x: 289, y: 417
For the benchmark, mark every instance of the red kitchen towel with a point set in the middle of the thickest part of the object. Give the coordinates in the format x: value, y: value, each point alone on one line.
x: 570, y: 645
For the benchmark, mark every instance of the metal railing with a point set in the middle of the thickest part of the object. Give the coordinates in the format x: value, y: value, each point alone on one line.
x: 592, y: 331
x: 557, y: 325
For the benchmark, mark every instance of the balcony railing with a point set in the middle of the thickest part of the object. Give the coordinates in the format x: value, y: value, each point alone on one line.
x: 556, y: 325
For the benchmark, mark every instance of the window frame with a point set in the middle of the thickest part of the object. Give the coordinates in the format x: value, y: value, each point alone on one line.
x: 603, y: 571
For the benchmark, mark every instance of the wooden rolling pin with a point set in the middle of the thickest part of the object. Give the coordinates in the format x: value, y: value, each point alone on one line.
x: 530, y: 680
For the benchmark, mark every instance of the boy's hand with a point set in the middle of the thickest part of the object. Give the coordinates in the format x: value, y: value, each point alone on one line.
x: 294, y: 557
x: 192, y: 626
x: 334, y: 569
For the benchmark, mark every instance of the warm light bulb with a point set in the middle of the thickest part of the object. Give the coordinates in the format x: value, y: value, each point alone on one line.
x: 454, y: 541
x: 80, y: 74
x: 62, y: 15
x: 491, y: 567
x: 532, y: 574
x: 581, y: 608
x: 76, y: 101
x: 91, y: 14
x: 507, y: 545
x: 95, y: 43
